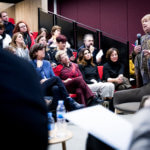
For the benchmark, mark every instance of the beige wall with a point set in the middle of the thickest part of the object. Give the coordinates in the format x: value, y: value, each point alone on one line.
x: 27, y: 10
x: 11, y: 12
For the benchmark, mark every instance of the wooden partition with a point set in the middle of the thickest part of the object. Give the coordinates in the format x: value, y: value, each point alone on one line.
x: 27, y: 10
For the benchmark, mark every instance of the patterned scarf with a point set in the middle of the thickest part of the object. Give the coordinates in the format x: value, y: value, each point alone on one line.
x: 142, y: 63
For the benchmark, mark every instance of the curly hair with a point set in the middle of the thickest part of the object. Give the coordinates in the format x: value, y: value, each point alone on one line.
x: 17, y: 28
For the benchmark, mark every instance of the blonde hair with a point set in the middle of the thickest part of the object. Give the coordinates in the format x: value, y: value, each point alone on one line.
x: 54, y: 28
x: 58, y: 55
x: 13, y: 42
x: 146, y: 17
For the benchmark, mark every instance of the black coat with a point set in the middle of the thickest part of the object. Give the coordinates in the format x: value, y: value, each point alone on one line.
x: 23, y: 112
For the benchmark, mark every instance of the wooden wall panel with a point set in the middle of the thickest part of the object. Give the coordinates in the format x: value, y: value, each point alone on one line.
x: 11, y: 12
x: 25, y: 11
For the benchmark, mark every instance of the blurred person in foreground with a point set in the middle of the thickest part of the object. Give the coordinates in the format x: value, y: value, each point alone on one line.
x: 22, y: 108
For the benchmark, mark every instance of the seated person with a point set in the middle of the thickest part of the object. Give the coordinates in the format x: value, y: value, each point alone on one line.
x: 23, y: 28
x: 5, y: 39
x: 43, y: 32
x: 73, y: 80
x: 61, y: 46
x: 91, y: 76
x: 55, y: 32
x: 48, y: 51
x: 89, y: 44
x: 131, y: 67
x: 23, y: 110
x: 51, y: 84
x: 18, y: 46
x: 9, y: 27
x: 113, y: 70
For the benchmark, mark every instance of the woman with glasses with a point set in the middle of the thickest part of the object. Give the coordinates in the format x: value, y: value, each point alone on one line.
x: 23, y: 28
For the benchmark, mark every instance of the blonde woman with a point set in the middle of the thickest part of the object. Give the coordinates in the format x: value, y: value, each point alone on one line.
x: 55, y: 32
x: 18, y: 46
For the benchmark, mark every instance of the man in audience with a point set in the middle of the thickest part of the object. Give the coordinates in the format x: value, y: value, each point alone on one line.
x: 23, y: 111
x: 9, y: 27
x: 89, y: 43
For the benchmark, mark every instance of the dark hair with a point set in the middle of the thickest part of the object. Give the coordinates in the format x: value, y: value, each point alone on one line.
x: 61, y: 38
x: 110, y: 51
x: 41, y: 30
x: 81, y: 59
x: 35, y: 48
x: 38, y: 38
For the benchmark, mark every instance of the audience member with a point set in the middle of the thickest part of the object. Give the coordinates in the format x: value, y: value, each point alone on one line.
x: 18, y: 46
x: 9, y: 27
x: 91, y: 77
x: 61, y: 46
x: 131, y: 67
x: 113, y: 70
x: 48, y: 52
x: 51, y: 84
x: 55, y: 32
x: 5, y: 39
x: 43, y: 32
x: 142, y: 52
x: 23, y: 28
x: 22, y: 107
x: 89, y: 44
x: 73, y: 80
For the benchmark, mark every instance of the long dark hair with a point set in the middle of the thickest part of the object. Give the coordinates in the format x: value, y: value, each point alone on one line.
x: 81, y: 59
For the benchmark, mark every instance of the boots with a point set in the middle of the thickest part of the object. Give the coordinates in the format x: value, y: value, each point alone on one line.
x: 71, y: 104
x: 94, y: 101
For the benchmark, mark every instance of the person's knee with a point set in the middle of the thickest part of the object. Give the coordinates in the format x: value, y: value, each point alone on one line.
x: 55, y: 88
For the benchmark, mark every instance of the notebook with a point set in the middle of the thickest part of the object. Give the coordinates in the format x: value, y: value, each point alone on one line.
x: 104, y: 125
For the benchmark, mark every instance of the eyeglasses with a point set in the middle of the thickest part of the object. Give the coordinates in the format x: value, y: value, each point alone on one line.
x: 24, y: 26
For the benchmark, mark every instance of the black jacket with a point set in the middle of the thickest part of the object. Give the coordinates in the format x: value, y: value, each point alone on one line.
x: 23, y: 111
